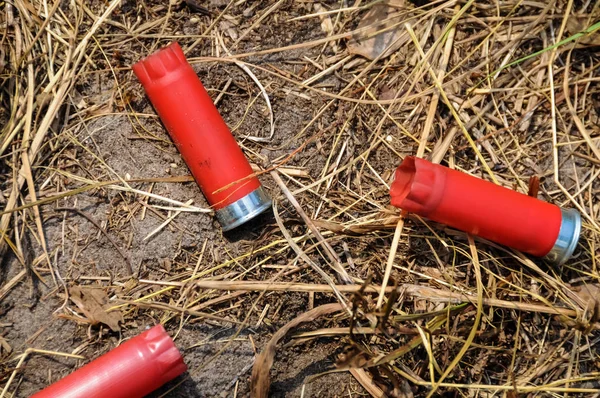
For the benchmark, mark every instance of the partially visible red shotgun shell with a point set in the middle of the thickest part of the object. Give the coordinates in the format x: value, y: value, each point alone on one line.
x: 132, y: 370
x: 202, y: 137
x: 485, y: 209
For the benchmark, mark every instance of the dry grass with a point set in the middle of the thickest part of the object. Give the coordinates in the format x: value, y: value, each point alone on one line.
x: 507, y: 91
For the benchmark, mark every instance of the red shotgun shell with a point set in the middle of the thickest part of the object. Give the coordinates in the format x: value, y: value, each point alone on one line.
x: 132, y: 370
x: 482, y: 208
x: 202, y: 137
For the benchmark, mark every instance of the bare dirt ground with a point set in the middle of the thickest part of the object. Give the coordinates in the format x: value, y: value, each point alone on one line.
x: 91, y: 185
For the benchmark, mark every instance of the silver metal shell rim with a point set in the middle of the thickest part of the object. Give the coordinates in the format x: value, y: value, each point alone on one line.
x: 244, y: 209
x: 568, y: 236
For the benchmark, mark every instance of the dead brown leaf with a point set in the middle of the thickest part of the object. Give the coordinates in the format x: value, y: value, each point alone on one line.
x: 380, y: 18
x: 94, y: 305
x: 576, y: 24
x: 260, y: 381
x: 588, y: 292
x: 590, y: 295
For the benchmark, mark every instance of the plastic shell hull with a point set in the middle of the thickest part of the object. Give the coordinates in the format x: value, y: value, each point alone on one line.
x: 476, y: 206
x: 132, y: 370
x: 196, y: 127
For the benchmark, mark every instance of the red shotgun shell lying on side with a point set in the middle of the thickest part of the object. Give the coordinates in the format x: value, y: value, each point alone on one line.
x: 132, y: 370
x: 482, y: 208
x: 202, y: 137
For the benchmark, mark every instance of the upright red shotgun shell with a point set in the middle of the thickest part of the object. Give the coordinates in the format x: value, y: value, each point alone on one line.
x: 485, y: 209
x: 202, y: 137
x: 132, y: 370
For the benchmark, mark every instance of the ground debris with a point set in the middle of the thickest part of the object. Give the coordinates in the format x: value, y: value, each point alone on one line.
x: 93, y: 302
x: 87, y: 171
x: 381, y: 31
x: 580, y: 24
x: 262, y: 366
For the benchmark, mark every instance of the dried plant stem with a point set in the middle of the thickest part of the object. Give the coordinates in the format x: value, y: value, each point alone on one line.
x: 390, y: 260
x: 417, y: 291
x: 336, y: 263
x: 433, y: 104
